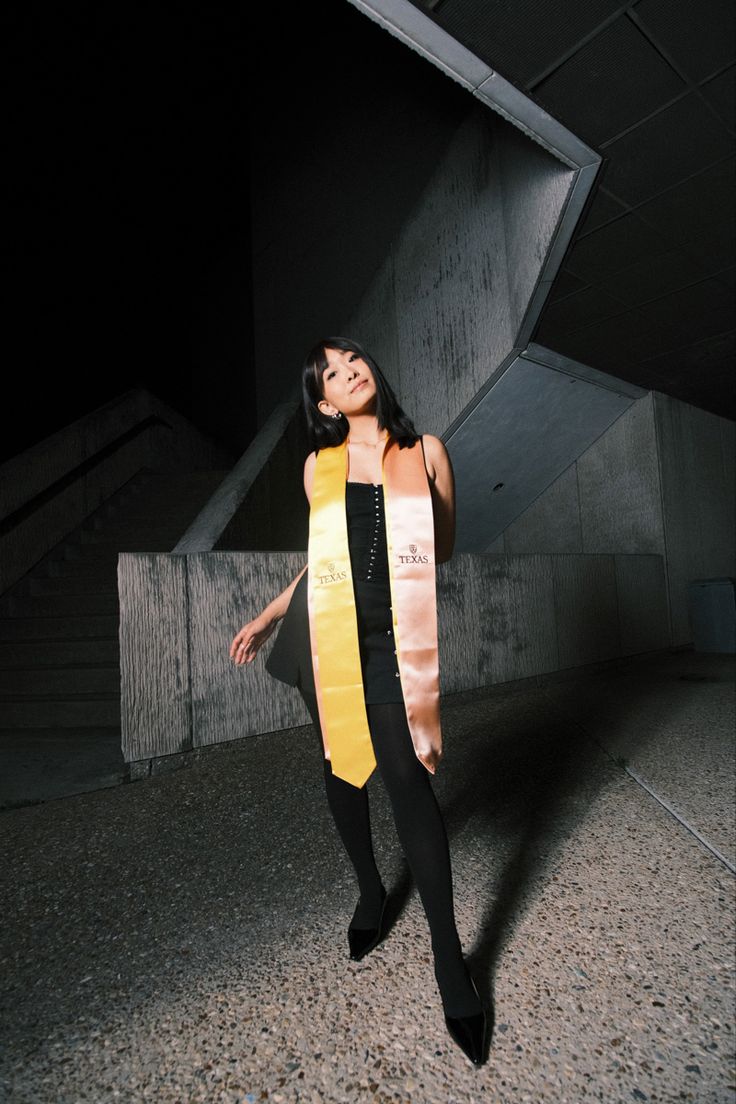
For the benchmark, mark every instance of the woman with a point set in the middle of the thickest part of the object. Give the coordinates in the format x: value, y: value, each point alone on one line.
x: 359, y: 638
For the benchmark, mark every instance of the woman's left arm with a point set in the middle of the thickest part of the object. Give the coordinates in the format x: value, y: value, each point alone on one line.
x: 442, y: 487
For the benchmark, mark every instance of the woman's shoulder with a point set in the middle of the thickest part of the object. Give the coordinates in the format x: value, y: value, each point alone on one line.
x: 434, y: 453
x: 431, y: 443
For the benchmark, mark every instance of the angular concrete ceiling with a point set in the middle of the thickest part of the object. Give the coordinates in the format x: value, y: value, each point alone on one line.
x: 526, y: 425
x: 645, y: 291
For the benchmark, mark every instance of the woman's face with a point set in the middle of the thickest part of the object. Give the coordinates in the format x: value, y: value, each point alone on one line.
x: 347, y: 384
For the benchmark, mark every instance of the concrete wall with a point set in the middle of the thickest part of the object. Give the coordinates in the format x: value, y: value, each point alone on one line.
x: 501, y: 618
x: 395, y: 230
x: 326, y: 208
x: 697, y: 456
x: 534, y: 187
x: 274, y: 515
x: 48, y: 490
x: 438, y: 310
x: 660, y: 480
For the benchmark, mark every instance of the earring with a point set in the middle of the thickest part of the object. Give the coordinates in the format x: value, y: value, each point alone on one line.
x: 338, y: 415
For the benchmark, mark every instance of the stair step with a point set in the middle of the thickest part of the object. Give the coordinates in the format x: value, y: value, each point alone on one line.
x: 137, y: 542
x: 39, y: 764
x: 150, y: 528
x: 164, y: 515
x: 59, y: 681
x: 88, y: 554
x: 52, y: 711
x: 94, y: 566
x: 58, y: 628
x: 63, y: 605
x: 173, y: 479
x: 57, y: 653
x: 59, y: 650
x: 74, y: 584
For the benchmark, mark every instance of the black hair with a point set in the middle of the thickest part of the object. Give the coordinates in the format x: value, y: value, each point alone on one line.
x: 325, y: 431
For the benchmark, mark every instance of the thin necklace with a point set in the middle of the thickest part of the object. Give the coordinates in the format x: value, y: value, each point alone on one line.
x: 369, y: 443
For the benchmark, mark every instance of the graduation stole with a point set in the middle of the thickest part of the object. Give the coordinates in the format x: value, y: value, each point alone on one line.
x: 333, y: 623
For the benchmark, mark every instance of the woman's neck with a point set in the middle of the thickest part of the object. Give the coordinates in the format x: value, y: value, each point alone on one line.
x: 364, y: 430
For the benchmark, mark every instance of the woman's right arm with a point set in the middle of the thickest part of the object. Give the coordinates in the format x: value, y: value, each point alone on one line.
x: 245, y: 645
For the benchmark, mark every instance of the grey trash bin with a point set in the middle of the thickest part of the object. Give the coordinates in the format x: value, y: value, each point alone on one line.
x: 713, y: 614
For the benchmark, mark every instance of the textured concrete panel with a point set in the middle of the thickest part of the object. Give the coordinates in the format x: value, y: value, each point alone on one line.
x: 170, y: 442
x: 501, y: 618
x: 618, y: 479
x: 490, y: 599
x: 413, y: 28
x: 659, y: 480
x: 715, y: 506
x: 373, y: 323
x: 154, y: 655
x: 607, y: 501
x: 534, y: 188
x: 696, y: 464
x: 641, y: 588
x: 460, y: 626
x: 321, y: 238
x: 28, y: 474
x: 586, y: 613
x: 43, y: 528
x: 274, y: 515
x: 425, y: 280
x: 24, y: 545
x: 515, y: 600
x: 266, y: 448
x: 551, y: 523
x: 728, y: 454
x: 533, y: 644
x: 527, y: 429
x: 226, y: 590
x: 178, y: 445
x: 450, y: 281
x: 680, y: 483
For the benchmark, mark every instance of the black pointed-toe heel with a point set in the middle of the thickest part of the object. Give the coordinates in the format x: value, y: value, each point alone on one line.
x: 363, y: 940
x: 470, y: 1033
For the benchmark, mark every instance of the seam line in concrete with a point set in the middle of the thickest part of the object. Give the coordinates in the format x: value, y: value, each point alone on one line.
x: 681, y: 819
x: 652, y: 793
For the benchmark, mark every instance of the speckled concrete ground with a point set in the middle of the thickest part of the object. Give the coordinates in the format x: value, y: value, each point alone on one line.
x: 183, y: 938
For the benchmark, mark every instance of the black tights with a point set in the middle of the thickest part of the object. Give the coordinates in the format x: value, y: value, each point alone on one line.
x: 423, y: 839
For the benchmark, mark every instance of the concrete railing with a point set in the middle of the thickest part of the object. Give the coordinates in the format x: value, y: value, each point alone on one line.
x: 49, y: 489
x: 502, y: 618
x: 219, y: 515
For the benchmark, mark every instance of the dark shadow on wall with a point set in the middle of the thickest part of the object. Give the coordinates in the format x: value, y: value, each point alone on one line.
x: 338, y: 167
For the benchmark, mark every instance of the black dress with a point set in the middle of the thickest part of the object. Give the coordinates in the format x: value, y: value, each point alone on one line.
x: 290, y: 659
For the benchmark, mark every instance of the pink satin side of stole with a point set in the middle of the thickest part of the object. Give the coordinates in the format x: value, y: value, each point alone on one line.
x: 411, y: 555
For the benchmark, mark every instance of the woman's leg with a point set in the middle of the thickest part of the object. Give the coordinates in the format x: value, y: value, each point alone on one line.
x: 350, y: 811
x: 423, y: 840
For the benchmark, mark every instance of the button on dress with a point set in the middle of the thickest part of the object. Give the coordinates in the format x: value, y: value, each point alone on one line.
x: 290, y: 659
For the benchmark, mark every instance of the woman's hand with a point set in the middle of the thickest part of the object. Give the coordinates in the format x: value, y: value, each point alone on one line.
x: 244, y: 647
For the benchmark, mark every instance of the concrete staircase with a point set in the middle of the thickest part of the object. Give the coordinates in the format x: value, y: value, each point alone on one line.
x: 59, y: 656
